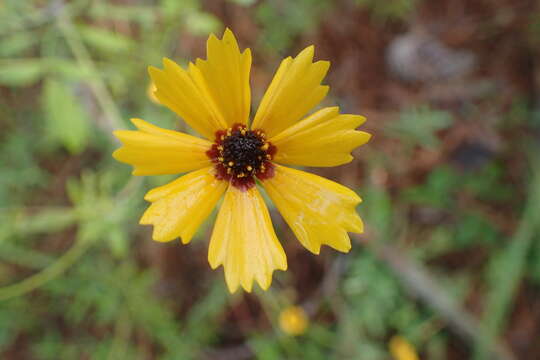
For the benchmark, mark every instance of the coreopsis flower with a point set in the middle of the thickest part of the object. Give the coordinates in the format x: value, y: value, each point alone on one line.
x: 293, y: 320
x: 401, y: 349
x: 235, y: 156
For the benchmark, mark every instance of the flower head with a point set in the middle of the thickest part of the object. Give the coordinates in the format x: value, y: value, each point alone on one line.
x: 293, y: 320
x: 235, y: 154
x: 401, y: 349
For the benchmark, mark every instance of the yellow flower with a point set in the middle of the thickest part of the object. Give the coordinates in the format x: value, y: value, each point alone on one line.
x: 401, y: 349
x: 293, y: 320
x: 213, y: 96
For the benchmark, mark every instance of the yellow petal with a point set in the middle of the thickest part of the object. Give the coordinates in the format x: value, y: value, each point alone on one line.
x: 179, y: 207
x: 177, y: 90
x: 155, y: 151
x: 244, y: 241
x: 294, y: 91
x: 224, y: 76
x: 150, y: 92
x: 324, y: 138
x: 319, y: 211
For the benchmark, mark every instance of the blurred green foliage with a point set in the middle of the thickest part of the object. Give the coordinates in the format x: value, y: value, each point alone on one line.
x: 75, y: 284
x: 419, y: 126
x: 388, y: 10
x: 283, y: 21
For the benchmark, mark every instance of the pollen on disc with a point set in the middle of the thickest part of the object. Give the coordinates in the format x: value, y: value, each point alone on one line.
x: 239, y: 155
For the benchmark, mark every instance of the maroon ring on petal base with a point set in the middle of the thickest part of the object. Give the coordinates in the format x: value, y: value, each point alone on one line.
x: 240, y: 154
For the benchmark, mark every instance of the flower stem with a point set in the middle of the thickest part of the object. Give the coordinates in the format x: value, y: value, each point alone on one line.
x: 49, y: 273
x: 97, y: 85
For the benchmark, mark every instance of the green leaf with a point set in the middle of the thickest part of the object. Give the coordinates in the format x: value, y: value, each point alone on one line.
x: 243, y: 2
x: 68, y: 69
x: 17, y: 43
x: 437, y: 191
x: 20, y: 72
x: 16, y: 318
x: 66, y: 121
x: 265, y: 348
x: 20, y: 170
x: 377, y: 211
x: 105, y: 40
x: 174, y: 8
x: 419, y: 126
x: 200, y: 23
x: 488, y: 184
x: 142, y: 14
x: 118, y: 241
x: 22, y: 256
x: 388, y: 10
x: 280, y: 25
x: 474, y: 229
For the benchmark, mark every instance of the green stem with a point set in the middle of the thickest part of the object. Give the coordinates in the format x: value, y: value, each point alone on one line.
x: 65, y: 261
x: 272, y: 306
x: 504, y: 285
x: 25, y: 257
x: 122, y: 333
x: 96, y: 82
x: 51, y: 272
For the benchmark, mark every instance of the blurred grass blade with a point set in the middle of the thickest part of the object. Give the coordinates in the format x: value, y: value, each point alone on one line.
x: 66, y: 121
x: 507, y: 270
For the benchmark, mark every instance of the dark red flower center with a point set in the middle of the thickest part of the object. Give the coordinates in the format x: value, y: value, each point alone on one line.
x: 240, y: 154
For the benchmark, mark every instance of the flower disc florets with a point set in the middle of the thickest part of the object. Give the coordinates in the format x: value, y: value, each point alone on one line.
x: 239, y: 154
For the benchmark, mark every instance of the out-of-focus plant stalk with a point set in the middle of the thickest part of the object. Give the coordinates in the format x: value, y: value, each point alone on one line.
x: 79, y: 248
x: 83, y: 57
x: 503, y: 288
x: 57, y: 268
x: 122, y: 332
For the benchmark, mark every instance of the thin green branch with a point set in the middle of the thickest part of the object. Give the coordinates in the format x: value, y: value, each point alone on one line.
x: 122, y: 333
x: 422, y: 285
x: 25, y: 257
x: 35, y: 281
x: 65, y: 261
x: 84, y: 59
x: 510, y: 270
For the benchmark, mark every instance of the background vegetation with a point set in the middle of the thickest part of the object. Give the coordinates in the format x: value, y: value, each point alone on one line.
x: 450, y: 260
